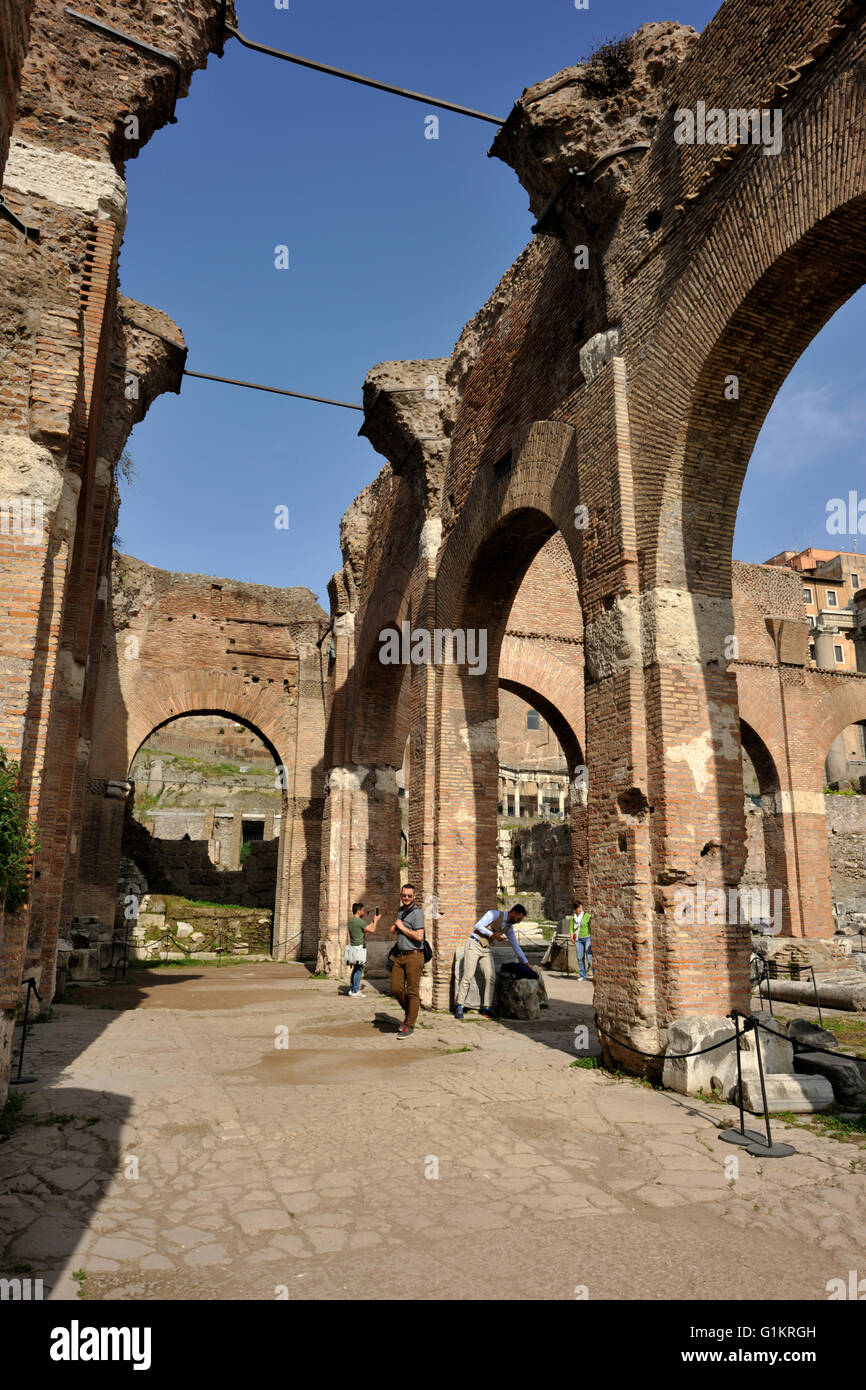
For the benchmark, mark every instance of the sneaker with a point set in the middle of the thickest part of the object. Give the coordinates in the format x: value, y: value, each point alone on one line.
x: 404, y: 1030
x: 486, y: 1013
x: 458, y: 1012
x: 353, y: 994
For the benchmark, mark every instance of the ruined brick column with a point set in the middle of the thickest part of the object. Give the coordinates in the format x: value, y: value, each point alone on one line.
x: 59, y: 308
x: 340, y: 782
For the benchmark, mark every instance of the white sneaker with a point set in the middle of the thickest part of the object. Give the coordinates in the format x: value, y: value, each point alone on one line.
x: 353, y: 994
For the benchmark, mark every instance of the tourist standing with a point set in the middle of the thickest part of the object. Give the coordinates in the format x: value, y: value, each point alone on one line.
x: 407, y: 958
x: 477, y: 953
x: 579, y: 927
x: 356, y: 951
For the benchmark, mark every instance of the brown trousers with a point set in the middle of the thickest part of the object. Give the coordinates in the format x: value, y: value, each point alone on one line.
x: 406, y: 983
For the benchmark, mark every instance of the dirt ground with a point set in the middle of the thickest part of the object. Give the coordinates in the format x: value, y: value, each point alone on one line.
x: 249, y: 1132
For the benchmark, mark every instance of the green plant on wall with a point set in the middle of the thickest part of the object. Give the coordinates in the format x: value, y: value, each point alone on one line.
x: 17, y: 839
x: 609, y: 69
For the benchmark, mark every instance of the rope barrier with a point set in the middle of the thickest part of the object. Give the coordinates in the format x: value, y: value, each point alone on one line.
x: 659, y: 1056
x: 678, y: 1056
x: 828, y: 1051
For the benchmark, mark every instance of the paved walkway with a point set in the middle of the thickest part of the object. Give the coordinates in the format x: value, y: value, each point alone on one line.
x: 177, y: 1150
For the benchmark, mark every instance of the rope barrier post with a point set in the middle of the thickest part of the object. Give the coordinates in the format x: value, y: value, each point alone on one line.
x: 769, y: 991
x: 20, y: 1080
x: 759, y: 1149
x: 741, y: 1135
x: 817, y: 1000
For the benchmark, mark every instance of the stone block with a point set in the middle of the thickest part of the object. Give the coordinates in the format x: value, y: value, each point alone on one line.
x: 425, y: 989
x: 516, y: 998
x: 156, y: 920
x: 848, y: 1085
x: 84, y: 965
x: 183, y: 929
x: 688, y: 1075
x: 785, y: 1091
x: 806, y: 1036
x: 777, y: 1052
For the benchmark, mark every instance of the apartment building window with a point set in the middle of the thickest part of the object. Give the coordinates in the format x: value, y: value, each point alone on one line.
x: 807, y: 595
x: 831, y: 599
x: 837, y: 652
x: 855, y: 581
x: 533, y: 720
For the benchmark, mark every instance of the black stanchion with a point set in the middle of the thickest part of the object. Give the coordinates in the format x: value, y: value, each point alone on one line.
x: 20, y: 1080
x: 817, y: 1000
x: 741, y: 1135
x: 758, y: 1148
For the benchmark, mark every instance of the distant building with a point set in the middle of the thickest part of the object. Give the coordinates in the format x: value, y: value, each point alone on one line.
x: 533, y: 771
x: 834, y: 601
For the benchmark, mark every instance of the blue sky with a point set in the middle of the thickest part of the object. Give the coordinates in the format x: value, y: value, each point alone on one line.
x: 394, y: 242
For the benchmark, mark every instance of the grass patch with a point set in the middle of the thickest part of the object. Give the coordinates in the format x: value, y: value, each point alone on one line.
x: 56, y: 1119
x: 832, y: 1124
x: 176, y: 906
x: 10, y: 1115
x: 588, y: 1063
x: 188, y: 963
x: 850, y: 1032
x: 449, y: 1051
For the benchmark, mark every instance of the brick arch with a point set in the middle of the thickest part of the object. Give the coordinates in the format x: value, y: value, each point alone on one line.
x: 761, y: 757
x: 842, y: 702
x: 548, y: 685
x: 226, y: 714
x: 155, y: 700
x: 754, y: 269
x: 522, y: 510
x: 498, y: 534
x: 381, y: 692
x: 765, y: 335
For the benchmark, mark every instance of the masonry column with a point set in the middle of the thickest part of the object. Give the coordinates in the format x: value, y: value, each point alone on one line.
x: 335, y: 888
x: 236, y: 840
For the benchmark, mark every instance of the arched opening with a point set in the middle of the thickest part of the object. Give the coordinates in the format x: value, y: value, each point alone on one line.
x: 535, y: 830
x: 778, y: 312
x: 529, y: 613
x: 768, y: 870
x: 203, y: 838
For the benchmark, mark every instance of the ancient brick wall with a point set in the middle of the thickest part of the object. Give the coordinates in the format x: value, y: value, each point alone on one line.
x: 592, y: 402
x: 14, y: 39
x: 66, y: 407
x: 177, y: 645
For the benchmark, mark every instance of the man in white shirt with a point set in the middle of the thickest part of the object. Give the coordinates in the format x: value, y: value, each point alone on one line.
x: 495, y: 925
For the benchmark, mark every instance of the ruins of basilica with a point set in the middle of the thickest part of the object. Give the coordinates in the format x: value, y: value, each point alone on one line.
x: 593, y: 424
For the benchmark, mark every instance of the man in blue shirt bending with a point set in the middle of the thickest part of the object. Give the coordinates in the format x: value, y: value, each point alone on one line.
x: 495, y: 925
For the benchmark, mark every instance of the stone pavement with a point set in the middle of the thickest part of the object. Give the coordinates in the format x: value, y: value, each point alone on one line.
x: 175, y: 1149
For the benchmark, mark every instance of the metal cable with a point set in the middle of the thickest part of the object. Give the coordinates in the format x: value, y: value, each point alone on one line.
x: 276, y: 390
x: 364, y: 81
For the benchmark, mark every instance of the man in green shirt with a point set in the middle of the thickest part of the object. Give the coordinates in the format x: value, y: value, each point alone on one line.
x: 356, y: 951
x: 579, y: 926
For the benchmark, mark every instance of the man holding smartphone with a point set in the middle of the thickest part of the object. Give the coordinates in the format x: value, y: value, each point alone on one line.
x: 407, y: 958
x: 356, y: 951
